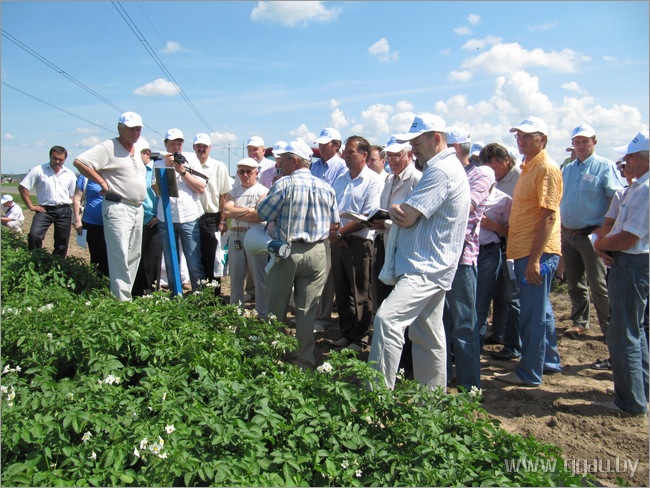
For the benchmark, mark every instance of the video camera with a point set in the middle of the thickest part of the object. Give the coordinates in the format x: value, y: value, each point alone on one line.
x: 178, y: 159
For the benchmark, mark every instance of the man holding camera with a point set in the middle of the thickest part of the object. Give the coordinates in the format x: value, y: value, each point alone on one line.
x: 186, y: 208
x: 113, y: 165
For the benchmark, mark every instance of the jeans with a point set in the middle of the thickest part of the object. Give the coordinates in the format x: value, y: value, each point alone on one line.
x: 488, y: 270
x: 506, y: 311
x: 417, y: 303
x: 539, y: 351
x: 585, y: 272
x: 628, y: 349
x: 188, y: 234
x: 461, y: 328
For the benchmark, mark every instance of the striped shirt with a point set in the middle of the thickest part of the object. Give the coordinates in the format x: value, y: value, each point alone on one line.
x: 313, y: 209
x: 480, y: 180
x: 432, y: 245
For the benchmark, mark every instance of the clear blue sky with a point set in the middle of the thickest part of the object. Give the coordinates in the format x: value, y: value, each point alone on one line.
x: 282, y: 70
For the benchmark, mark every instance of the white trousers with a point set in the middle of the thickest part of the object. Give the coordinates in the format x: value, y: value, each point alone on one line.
x: 417, y: 303
x: 123, y: 235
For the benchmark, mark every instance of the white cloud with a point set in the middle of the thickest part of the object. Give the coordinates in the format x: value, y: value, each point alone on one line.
x: 85, y: 130
x: 473, y: 44
x: 403, y: 106
x: 462, y: 31
x: 609, y: 59
x: 511, y: 58
x: 573, y: 86
x: 543, y: 27
x: 89, y: 142
x: 334, y: 103
x: 292, y: 14
x: 172, y: 47
x: 445, y: 52
x: 381, y: 50
x: 220, y: 139
x: 401, y: 123
x: 40, y: 143
x: 461, y: 76
x: 338, y: 119
x: 374, y: 121
x: 474, y: 19
x: 157, y: 87
x: 304, y: 133
x: 9, y: 136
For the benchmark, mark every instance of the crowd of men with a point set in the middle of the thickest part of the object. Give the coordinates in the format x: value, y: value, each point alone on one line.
x: 469, y: 227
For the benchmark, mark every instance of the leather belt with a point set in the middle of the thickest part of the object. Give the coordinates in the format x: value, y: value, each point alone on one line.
x: 585, y: 231
x: 489, y: 245
x: 57, y: 206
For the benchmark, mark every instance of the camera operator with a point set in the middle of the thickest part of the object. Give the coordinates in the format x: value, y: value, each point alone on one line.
x: 186, y: 208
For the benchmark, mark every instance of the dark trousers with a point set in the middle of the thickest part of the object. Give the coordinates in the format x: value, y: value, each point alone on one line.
x: 149, y: 269
x: 97, y: 246
x: 61, y: 217
x: 352, y: 272
x: 208, y: 225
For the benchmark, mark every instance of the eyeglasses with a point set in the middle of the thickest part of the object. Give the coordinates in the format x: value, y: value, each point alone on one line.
x: 245, y: 171
x: 527, y: 137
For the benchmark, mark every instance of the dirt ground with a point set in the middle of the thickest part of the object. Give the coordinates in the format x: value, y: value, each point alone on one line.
x: 559, y: 412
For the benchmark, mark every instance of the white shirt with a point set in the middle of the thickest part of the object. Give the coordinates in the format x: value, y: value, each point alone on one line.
x: 51, y: 188
x: 633, y: 215
x: 497, y: 208
x: 14, y: 212
x: 218, y: 184
x: 187, y: 206
x: 398, y: 187
x: 360, y: 195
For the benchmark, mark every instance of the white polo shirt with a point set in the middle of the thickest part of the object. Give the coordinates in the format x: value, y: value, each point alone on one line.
x: 51, y: 188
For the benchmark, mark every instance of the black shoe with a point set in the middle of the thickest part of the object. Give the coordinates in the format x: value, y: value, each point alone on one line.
x: 603, y: 365
x: 504, y: 355
x: 491, y: 339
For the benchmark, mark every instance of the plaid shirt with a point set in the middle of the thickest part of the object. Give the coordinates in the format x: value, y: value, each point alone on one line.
x: 313, y: 209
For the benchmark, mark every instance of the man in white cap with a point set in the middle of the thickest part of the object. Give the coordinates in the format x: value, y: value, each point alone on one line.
x: 461, y: 327
x: 116, y: 166
x: 186, y: 209
x: 625, y: 250
x: 212, y: 200
x: 12, y: 215
x: 273, y: 173
x: 256, y: 149
x: 329, y: 167
x: 534, y: 244
x: 430, y: 229
x: 54, y: 185
x: 590, y: 182
x: 304, y: 211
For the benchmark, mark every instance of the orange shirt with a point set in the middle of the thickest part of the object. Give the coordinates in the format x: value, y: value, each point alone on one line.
x: 539, y: 186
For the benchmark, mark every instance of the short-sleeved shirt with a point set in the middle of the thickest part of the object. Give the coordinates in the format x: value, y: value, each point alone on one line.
x: 509, y: 181
x: 432, y: 245
x: 497, y: 208
x: 588, y: 187
x: 124, y: 172
x: 93, y: 206
x: 218, y: 184
x: 51, y: 188
x: 633, y: 215
x: 360, y: 194
x: 313, y: 207
x: 246, y: 197
x: 150, y: 203
x: 330, y: 170
x: 539, y: 187
x: 186, y: 207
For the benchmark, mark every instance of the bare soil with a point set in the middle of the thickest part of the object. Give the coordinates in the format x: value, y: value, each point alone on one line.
x: 559, y: 412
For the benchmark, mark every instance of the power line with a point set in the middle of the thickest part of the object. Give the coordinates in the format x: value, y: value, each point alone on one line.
x: 55, y: 107
x: 59, y: 70
x: 154, y: 56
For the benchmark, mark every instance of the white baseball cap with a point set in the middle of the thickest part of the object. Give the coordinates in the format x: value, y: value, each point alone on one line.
x: 639, y: 143
x: 173, y: 134
x: 130, y: 119
x: 328, y: 135
x: 255, y: 141
x: 476, y: 148
x: 7, y: 198
x: 278, y: 146
x: 530, y: 125
x: 583, y: 130
x: 456, y: 135
x: 248, y: 163
x: 297, y: 147
x: 421, y: 124
x: 202, y: 138
x: 392, y: 146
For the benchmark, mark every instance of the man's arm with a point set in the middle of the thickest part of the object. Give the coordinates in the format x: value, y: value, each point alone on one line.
x: 543, y: 233
x: 403, y: 214
x: 617, y: 242
x: 24, y: 194
x: 91, y: 174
